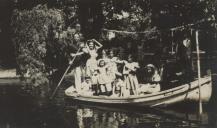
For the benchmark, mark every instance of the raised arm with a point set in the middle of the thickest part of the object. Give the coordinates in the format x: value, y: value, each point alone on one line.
x: 76, y: 54
x: 86, y: 46
x: 98, y: 43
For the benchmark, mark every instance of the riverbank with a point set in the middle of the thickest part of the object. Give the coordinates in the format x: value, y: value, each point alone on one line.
x: 8, y: 73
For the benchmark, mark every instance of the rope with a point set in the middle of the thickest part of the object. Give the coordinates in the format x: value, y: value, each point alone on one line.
x: 155, y: 31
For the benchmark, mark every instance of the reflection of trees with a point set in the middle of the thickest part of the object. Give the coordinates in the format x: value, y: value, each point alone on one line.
x: 89, y: 118
x: 97, y: 118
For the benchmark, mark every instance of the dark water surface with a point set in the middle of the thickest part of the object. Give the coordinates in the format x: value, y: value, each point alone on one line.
x: 19, y: 111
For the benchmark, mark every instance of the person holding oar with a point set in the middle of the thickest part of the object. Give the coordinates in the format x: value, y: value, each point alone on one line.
x: 91, y: 48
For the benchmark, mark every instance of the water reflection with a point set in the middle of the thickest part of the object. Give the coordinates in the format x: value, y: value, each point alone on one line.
x: 92, y: 117
x: 20, y: 111
x: 82, y: 116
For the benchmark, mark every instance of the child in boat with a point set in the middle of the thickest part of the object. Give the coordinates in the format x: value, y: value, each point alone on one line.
x: 104, y: 82
x: 129, y: 72
x: 86, y: 86
x: 152, y: 80
x: 94, y: 81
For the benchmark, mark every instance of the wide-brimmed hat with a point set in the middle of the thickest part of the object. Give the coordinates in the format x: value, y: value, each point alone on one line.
x: 150, y: 66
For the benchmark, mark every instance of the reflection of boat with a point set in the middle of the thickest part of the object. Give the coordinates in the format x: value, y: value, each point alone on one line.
x: 147, y: 114
x: 186, y: 92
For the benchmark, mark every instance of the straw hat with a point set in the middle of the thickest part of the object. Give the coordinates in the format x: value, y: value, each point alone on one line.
x: 150, y: 66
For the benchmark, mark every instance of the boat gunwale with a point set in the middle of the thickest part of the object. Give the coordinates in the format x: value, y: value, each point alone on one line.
x: 179, y: 88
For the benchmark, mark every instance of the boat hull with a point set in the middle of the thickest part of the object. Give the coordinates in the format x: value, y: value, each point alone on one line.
x: 187, y: 92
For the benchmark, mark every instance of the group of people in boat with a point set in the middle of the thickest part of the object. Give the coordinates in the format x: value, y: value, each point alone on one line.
x: 108, y: 74
x: 104, y: 72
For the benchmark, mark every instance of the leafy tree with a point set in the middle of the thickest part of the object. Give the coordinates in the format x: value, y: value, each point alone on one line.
x: 133, y: 16
x: 41, y: 50
x: 30, y: 37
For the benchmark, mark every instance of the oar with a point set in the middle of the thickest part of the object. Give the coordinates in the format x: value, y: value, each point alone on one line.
x: 53, y: 94
x: 198, y: 73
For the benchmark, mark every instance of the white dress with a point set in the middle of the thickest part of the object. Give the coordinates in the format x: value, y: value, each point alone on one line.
x: 112, y: 69
x: 91, y: 63
x: 131, y: 80
x: 102, y: 77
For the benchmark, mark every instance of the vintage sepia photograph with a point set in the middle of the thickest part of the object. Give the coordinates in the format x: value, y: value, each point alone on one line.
x: 108, y: 64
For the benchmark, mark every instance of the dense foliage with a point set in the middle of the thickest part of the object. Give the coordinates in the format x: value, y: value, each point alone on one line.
x: 43, y: 38
x: 129, y: 16
x: 30, y: 35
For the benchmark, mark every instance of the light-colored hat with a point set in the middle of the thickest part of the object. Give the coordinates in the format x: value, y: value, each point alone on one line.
x: 150, y: 65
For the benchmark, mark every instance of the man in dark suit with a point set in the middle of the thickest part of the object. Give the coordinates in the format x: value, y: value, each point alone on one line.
x: 184, y: 59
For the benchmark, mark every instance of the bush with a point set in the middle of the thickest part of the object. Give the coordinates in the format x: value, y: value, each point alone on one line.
x: 31, y: 37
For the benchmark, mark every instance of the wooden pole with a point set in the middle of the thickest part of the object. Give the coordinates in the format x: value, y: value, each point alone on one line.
x: 198, y: 73
x: 53, y: 94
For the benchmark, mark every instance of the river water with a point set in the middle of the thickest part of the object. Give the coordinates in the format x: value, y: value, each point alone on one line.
x: 19, y: 110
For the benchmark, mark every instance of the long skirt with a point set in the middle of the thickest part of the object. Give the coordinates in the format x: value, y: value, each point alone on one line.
x: 132, y: 83
x: 77, y: 75
x: 91, y: 65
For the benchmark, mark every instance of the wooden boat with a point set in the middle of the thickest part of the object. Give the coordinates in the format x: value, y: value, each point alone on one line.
x: 183, y: 93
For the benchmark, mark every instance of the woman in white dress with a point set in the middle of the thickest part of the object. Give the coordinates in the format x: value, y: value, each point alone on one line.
x: 129, y: 72
x: 112, y: 66
x: 92, y: 47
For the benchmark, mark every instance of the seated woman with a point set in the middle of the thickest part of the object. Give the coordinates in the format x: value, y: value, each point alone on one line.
x: 151, y: 80
x: 71, y: 90
x: 86, y: 87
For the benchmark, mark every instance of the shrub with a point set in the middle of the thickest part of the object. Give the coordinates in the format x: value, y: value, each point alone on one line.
x: 31, y: 37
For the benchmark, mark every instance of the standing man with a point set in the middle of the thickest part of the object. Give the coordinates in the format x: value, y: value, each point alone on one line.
x: 185, y: 59
x: 78, y: 64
